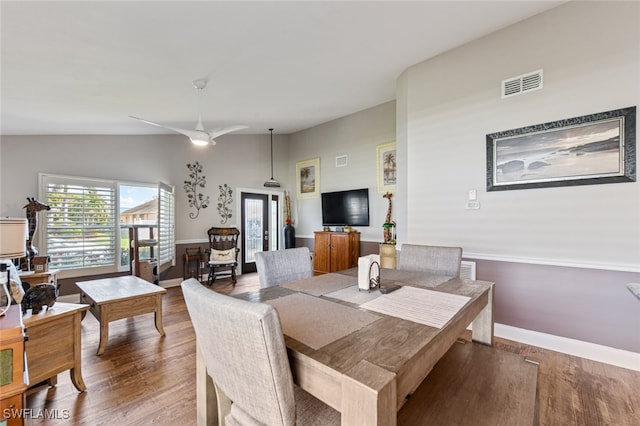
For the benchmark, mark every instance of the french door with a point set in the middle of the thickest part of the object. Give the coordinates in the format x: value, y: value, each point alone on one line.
x: 259, y: 229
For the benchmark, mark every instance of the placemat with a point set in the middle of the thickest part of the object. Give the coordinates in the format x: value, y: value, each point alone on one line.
x: 428, y: 307
x: 317, y: 322
x: 321, y: 284
x: 353, y: 294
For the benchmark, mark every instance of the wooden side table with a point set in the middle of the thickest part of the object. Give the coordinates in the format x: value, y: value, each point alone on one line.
x: 54, y: 343
x: 192, y: 263
x: 33, y: 278
x: 13, y: 380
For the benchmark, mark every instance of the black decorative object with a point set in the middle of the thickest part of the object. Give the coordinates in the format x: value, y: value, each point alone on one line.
x: 272, y: 183
x: 591, y: 149
x: 196, y: 199
x: 224, y: 201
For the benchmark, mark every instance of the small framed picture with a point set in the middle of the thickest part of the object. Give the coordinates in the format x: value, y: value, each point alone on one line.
x: 308, y: 178
x: 386, y: 158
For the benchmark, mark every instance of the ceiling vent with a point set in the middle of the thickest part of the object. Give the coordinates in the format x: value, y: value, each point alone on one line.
x: 341, y: 161
x: 521, y: 84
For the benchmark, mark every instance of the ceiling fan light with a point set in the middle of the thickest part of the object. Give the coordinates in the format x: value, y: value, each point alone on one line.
x: 199, y: 141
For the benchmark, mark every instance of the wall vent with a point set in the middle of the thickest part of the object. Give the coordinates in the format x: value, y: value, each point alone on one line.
x: 468, y: 270
x: 341, y: 161
x: 522, y: 84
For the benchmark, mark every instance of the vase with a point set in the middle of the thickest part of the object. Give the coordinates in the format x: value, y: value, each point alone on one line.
x: 289, y: 236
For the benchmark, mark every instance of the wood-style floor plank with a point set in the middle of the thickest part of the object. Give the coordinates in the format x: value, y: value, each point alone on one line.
x: 143, y: 378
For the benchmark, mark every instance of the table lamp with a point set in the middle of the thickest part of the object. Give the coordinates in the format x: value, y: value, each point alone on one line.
x: 13, y: 235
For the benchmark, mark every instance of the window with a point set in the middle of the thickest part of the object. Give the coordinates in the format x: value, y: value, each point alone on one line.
x: 82, y: 231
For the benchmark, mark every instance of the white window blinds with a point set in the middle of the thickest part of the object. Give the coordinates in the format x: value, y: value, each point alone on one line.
x: 166, y: 231
x: 80, y: 229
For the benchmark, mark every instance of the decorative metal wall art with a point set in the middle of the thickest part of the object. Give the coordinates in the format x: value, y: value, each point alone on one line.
x: 196, y: 199
x: 224, y: 202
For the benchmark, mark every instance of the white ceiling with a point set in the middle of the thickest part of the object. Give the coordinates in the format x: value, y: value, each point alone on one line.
x: 82, y: 67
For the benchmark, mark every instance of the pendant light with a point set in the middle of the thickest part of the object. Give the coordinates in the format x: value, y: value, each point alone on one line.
x: 272, y: 183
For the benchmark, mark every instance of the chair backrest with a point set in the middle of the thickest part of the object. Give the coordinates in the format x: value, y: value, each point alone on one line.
x: 433, y: 259
x: 245, y: 355
x: 281, y: 266
x: 223, y: 240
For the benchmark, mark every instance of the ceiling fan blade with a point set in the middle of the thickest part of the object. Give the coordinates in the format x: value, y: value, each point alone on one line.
x: 189, y: 133
x: 219, y: 131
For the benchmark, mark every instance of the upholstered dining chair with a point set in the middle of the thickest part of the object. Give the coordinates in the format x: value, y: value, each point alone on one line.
x: 281, y: 266
x: 433, y: 259
x: 245, y: 355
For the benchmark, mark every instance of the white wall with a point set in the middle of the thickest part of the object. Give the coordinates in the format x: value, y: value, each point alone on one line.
x: 237, y: 160
x: 590, y: 54
x: 356, y: 136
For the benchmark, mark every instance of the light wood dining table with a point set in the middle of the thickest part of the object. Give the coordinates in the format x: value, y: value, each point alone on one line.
x: 367, y: 363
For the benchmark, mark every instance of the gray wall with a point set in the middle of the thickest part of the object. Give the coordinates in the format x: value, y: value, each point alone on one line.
x: 560, y: 257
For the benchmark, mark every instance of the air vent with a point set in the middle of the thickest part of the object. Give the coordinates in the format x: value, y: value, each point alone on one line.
x: 521, y: 84
x: 341, y: 161
x: 468, y: 270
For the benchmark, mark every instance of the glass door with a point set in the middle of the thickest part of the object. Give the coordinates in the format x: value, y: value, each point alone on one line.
x: 255, y: 228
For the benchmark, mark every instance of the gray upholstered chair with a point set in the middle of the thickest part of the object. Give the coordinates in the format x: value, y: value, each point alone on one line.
x: 281, y: 266
x: 245, y: 355
x: 433, y: 259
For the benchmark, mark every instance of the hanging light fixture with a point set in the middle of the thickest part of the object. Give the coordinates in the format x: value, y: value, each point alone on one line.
x: 272, y: 183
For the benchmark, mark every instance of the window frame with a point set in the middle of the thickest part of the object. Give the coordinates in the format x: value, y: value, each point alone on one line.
x: 42, y: 231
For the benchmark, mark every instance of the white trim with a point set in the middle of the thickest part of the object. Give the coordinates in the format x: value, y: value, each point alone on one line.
x: 193, y: 241
x: 553, y: 262
x: 592, y: 351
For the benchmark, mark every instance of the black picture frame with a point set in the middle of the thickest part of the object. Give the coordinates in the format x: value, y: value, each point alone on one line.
x: 590, y: 149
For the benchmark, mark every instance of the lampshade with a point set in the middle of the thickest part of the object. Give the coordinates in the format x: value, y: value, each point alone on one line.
x: 13, y: 235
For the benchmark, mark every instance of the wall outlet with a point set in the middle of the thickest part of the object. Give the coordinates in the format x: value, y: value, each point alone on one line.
x: 473, y: 205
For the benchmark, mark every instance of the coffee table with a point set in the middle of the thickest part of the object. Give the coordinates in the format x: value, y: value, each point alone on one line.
x: 111, y: 299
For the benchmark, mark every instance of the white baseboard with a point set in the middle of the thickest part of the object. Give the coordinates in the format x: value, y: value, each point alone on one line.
x: 174, y: 282
x: 592, y: 351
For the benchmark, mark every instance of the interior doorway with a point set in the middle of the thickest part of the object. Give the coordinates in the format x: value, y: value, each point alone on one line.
x: 260, y: 222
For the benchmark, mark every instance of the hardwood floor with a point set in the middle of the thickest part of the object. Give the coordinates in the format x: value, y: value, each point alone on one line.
x: 143, y: 378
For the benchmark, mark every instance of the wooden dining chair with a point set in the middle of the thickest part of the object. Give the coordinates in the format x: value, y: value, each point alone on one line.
x: 432, y: 259
x: 245, y: 355
x: 223, y: 253
x: 281, y: 266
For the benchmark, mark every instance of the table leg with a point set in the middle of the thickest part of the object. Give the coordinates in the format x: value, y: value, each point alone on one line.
x: 482, y: 326
x: 76, y: 370
x: 158, y: 315
x: 211, y: 403
x: 369, y: 396
x: 104, y: 331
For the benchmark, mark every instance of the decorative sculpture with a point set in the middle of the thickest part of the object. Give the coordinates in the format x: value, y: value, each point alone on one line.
x: 33, y: 207
x: 38, y: 296
x: 224, y: 201
x: 389, y: 238
x: 196, y: 199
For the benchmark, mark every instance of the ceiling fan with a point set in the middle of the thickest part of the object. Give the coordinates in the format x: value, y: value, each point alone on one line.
x: 198, y: 136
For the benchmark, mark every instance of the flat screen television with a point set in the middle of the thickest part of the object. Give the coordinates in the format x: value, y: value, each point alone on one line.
x: 345, y: 208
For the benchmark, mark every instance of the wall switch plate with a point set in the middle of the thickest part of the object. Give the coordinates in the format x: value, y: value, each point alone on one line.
x: 473, y: 195
x: 473, y: 205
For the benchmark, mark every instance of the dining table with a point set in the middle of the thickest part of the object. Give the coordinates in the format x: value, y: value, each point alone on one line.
x: 364, y: 352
